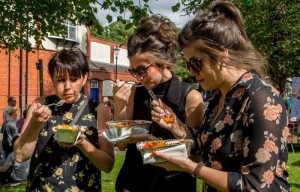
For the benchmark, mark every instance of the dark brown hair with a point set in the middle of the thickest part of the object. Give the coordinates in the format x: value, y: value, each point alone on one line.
x: 157, y: 38
x: 72, y: 61
x: 219, y: 28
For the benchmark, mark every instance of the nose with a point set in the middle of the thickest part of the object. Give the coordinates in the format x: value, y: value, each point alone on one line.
x: 67, y: 84
x: 139, y: 78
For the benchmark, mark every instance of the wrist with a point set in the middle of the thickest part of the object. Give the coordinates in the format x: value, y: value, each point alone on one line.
x: 197, y: 170
x: 181, y: 131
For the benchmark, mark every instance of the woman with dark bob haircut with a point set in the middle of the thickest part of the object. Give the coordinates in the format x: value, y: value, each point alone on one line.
x: 61, y: 166
x: 243, y: 137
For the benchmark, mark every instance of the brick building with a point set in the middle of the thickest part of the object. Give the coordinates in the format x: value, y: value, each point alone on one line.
x: 20, y: 76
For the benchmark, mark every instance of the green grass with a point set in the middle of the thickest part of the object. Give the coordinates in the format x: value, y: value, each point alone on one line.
x: 108, y: 180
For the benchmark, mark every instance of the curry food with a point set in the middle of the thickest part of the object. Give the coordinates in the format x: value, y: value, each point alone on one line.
x: 66, y: 127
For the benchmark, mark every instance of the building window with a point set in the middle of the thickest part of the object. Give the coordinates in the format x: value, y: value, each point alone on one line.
x: 94, y: 84
x: 70, y: 35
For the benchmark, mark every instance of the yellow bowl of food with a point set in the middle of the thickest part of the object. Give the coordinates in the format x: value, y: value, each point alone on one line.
x: 67, y: 134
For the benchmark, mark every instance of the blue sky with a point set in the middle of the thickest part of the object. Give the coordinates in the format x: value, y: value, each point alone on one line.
x: 162, y: 7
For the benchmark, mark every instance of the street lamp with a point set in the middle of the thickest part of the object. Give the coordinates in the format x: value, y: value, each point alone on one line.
x: 116, y: 51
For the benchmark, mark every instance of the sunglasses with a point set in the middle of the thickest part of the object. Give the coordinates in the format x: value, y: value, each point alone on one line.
x: 194, y: 63
x: 140, y: 71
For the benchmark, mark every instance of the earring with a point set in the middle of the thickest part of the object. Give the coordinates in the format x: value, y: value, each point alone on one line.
x: 223, y: 65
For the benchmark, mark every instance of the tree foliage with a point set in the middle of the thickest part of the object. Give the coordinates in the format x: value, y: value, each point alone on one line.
x: 272, y: 25
x: 114, y: 32
x: 21, y: 19
x: 274, y: 28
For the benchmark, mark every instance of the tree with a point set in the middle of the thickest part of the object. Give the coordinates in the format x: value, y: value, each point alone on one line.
x: 274, y: 28
x: 21, y: 19
x: 115, y: 32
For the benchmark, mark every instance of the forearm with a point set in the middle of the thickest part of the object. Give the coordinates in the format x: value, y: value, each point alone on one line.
x: 25, y: 144
x: 102, y: 159
x: 214, y: 178
x: 120, y: 112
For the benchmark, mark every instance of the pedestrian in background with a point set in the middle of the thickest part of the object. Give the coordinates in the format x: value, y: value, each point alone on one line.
x: 20, y: 122
x: 11, y: 103
x: 10, y: 131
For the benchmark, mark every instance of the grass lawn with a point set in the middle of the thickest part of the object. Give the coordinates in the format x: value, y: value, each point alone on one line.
x: 108, y: 180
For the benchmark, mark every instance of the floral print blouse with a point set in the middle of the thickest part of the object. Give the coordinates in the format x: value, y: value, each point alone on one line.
x: 54, y: 168
x: 249, y: 137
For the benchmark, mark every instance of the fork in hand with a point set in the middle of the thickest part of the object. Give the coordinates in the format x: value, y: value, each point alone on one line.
x: 153, y: 96
x: 60, y: 103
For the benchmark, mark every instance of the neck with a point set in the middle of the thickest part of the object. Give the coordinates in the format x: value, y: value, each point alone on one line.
x: 230, y: 79
x: 166, y: 75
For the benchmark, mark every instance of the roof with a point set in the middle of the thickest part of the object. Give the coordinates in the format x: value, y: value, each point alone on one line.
x: 94, y: 65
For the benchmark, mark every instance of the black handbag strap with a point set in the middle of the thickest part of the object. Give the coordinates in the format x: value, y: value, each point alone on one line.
x: 79, y: 112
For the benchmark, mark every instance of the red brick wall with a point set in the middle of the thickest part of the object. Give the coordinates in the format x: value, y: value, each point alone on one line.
x: 33, y: 77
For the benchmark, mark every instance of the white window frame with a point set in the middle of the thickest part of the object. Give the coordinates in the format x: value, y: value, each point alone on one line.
x: 66, y: 36
x: 94, y: 83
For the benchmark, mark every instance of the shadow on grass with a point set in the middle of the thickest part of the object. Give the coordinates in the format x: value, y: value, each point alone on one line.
x: 295, y: 186
x: 296, y: 163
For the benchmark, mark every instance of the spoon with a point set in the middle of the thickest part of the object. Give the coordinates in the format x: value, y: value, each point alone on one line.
x: 60, y: 103
x: 135, y: 84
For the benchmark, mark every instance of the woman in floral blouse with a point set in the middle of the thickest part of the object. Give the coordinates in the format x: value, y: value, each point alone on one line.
x: 57, y: 166
x: 243, y: 137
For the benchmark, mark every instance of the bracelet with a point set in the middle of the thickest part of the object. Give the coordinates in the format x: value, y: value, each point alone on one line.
x: 196, y: 172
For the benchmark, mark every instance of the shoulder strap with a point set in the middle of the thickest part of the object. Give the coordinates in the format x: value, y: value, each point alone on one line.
x: 79, y: 112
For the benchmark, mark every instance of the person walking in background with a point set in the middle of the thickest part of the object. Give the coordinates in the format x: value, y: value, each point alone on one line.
x: 11, y: 103
x: 13, y: 171
x: 10, y: 131
x: 109, y: 107
x: 243, y: 137
x: 58, y: 166
x: 152, y: 52
x: 20, y: 122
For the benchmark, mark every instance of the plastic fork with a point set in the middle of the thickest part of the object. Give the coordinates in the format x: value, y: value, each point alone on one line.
x: 153, y: 96
x: 60, y: 103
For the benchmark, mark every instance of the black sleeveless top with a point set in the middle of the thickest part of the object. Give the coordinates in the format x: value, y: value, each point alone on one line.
x: 138, y: 177
x: 54, y: 168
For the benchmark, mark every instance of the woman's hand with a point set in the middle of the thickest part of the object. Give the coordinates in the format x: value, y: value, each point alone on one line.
x: 80, y: 139
x: 41, y: 113
x: 175, y: 162
x: 160, y: 113
x: 121, y: 92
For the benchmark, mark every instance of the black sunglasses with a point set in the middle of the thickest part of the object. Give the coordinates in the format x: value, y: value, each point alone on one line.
x: 194, y: 63
x: 140, y: 71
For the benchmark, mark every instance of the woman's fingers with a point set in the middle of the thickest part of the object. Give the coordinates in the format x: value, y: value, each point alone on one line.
x: 41, y: 113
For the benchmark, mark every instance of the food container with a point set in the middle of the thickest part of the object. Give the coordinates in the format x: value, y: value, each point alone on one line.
x: 120, y: 130
x: 118, y: 134
x: 129, y: 123
x: 67, y: 134
x: 172, y: 146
